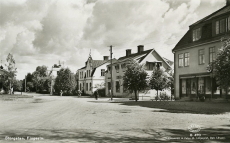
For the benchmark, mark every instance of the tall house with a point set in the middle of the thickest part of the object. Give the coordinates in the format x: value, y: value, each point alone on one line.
x: 195, y: 52
x: 92, y: 75
x: 149, y: 58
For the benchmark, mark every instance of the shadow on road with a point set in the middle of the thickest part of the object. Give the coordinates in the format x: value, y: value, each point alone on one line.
x: 83, y: 135
x: 183, y: 107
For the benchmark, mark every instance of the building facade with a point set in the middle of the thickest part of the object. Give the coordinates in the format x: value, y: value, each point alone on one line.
x: 149, y: 58
x: 195, y: 52
x: 92, y: 75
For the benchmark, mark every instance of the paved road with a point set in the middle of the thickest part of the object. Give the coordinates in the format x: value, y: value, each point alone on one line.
x: 73, y: 119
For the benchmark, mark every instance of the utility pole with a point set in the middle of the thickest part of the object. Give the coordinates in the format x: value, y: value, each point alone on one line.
x: 111, y: 69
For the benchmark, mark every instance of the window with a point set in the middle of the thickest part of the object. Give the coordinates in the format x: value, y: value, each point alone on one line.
x: 117, y: 68
x: 86, y: 86
x: 181, y: 60
x: 80, y: 86
x: 123, y: 67
x: 150, y: 65
x: 222, y: 26
x: 212, y: 54
x: 102, y: 72
x: 158, y: 64
x: 217, y: 27
x: 201, y: 56
x: 90, y: 86
x: 186, y: 59
x: 229, y: 23
x: 117, y: 86
x: 109, y: 86
x: 196, y: 34
x: 109, y: 69
x: 183, y: 88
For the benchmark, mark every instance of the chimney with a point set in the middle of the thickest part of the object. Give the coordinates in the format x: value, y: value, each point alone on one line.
x: 128, y: 52
x: 140, y: 48
x: 227, y: 2
x: 106, y: 58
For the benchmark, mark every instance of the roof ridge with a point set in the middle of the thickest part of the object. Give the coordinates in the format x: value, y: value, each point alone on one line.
x: 206, y: 17
x: 136, y: 54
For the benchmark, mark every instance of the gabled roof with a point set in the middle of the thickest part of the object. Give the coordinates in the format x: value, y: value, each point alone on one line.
x: 82, y: 68
x: 141, y: 55
x: 97, y: 63
x: 186, y: 40
x: 213, y: 15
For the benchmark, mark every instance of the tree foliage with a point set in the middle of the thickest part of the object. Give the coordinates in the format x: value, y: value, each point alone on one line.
x: 39, y: 77
x: 12, y: 70
x: 221, y: 66
x: 159, y: 80
x: 135, y: 78
x: 65, y: 81
x: 17, y: 85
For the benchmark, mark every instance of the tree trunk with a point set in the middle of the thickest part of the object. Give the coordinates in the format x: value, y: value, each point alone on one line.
x: 157, y: 95
x: 135, y: 95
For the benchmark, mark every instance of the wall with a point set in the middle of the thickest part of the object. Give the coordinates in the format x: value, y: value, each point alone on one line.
x: 151, y: 58
x: 194, y: 66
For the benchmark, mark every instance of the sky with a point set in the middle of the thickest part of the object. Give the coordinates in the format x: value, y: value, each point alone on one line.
x: 44, y: 32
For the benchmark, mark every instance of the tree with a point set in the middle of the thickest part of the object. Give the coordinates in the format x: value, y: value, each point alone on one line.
x: 38, y: 77
x: 65, y: 81
x: 221, y: 66
x: 159, y: 80
x: 17, y: 85
x: 11, y: 71
x: 135, y: 78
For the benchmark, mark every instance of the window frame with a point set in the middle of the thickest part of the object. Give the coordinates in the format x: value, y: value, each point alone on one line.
x: 196, y: 34
x: 182, y: 59
x: 228, y: 25
x: 222, y: 25
x: 118, y: 87
x: 117, y: 67
x: 102, y: 72
x: 186, y: 56
x: 213, y: 53
x: 202, y: 55
x: 217, y: 27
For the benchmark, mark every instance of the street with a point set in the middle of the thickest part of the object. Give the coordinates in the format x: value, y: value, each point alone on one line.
x: 73, y: 119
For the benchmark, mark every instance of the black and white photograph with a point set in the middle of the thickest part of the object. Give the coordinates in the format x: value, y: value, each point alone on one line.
x: 115, y: 71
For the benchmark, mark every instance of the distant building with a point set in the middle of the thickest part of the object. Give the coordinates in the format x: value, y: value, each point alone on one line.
x: 150, y: 59
x: 53, y: 72
x: 195, y: 51
x: 92, y: 75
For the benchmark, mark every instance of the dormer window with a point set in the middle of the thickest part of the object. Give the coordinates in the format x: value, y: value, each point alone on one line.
x: 196, y: 34
x: 223, y: 25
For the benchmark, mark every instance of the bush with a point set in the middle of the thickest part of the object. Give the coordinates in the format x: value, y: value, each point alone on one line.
x: 163, y: 96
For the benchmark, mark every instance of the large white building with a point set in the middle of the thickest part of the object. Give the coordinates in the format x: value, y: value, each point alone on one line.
x: 150, y: 59
x: 92, y: 75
